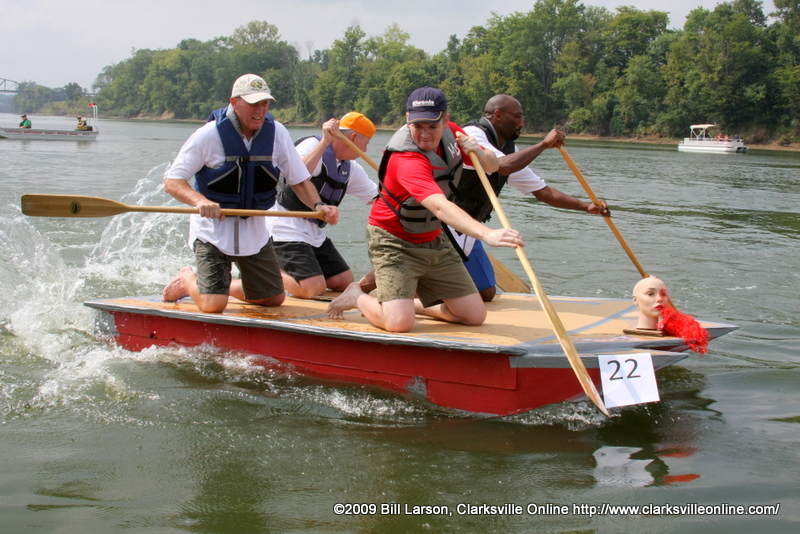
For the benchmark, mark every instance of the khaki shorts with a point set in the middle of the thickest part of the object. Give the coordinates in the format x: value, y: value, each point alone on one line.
x: 433, y: 270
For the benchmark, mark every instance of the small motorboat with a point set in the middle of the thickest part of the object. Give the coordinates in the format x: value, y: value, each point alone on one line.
x: 54, y: 134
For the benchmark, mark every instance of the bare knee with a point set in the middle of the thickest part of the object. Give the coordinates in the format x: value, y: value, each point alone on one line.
x: 310, y: 287
x: 277, y: 300
x: 212, y: 303
x: 474, y: 321
x: 399, y: 325
x: 394, y: 316
x: 340, y: 281
x: 474, y: 317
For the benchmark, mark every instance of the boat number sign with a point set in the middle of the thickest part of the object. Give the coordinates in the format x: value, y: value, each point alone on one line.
x: 628, y: 379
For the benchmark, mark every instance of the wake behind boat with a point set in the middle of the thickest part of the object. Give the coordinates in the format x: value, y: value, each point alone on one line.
x: 511, y: 364
x: 52, y: 134
x: 699, y: 140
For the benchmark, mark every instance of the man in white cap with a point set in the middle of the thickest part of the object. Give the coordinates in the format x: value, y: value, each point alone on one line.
x: 310, y: 263
x: 410, y: 255
x: 236, y: 160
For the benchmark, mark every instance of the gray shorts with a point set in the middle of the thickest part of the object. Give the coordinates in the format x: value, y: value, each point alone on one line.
x: 260, y: 273
x: 302, y: 261
x: 433, y: 271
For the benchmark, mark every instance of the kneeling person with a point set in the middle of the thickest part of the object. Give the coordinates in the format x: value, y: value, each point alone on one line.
x: 408, y: 250
x: 309, y: 261
x: 235, y: 161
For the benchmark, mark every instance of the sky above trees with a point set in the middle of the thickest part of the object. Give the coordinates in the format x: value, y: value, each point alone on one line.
x: 53, y: 42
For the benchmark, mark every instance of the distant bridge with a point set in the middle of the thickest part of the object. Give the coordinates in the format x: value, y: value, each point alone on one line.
x: 8, y: 86
x: 12, y: 87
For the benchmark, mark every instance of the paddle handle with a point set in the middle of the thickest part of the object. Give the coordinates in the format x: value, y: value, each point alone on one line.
x: 230, y: 212
x: 608, y: 220
x: 357, y: 150
x: 38, y: 205
x: 552, y: 316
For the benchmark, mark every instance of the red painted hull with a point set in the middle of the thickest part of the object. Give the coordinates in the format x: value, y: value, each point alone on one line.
x: 483, y: 379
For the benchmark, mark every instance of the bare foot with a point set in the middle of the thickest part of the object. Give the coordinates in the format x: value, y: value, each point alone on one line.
x: 346, y: 301
x: 176, y: 289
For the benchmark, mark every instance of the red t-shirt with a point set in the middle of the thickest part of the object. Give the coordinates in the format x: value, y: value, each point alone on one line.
x: 409, y: 174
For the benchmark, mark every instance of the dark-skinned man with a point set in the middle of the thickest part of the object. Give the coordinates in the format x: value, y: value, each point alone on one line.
x: 500, y: 126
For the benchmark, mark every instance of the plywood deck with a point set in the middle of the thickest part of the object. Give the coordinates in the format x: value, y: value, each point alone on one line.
x: 515, y: 324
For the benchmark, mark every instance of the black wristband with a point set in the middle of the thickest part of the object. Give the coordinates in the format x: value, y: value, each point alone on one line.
x: 318, y: 204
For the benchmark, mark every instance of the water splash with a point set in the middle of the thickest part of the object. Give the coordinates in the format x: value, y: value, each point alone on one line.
x: 38, y: 287
x: 141, y: 251
x: 575, y: 416
x: 42, y: 315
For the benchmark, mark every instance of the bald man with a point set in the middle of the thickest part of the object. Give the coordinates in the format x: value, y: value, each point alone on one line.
x: 500, y: 126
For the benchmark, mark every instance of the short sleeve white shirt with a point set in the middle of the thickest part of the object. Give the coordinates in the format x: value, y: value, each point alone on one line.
x: 285, y: 229
x: 524, y: 180
x: 234, y: 236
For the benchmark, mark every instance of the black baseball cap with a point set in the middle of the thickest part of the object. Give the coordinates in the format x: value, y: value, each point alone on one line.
x: 426, y: 104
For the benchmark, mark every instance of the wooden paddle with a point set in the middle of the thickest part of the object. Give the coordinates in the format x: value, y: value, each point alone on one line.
x: 608, y: 220
x: 506, y: 279
x: 82, y: 206
x: 357, y: 150
x: 555, y: 322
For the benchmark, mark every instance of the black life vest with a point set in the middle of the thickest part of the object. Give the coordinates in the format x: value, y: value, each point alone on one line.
x: 470, y: 195
x: 248, y: 178
x: 447, y: 169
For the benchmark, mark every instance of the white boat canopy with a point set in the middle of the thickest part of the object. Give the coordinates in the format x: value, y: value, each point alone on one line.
x: 699, y: 131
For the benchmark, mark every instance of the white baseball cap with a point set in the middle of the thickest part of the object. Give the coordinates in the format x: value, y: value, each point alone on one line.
x: 251, y: 88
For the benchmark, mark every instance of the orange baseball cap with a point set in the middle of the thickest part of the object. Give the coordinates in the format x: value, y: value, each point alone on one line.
x: 358, y: 123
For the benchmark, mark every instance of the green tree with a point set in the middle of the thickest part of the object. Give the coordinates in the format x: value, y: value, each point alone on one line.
x: 164, y: 87
x: 629, y: 33
x: 123, y: 94
x: 639, y: 94
x: 388, y: 60
x: 717, y: 70
x: 622, y: 72
x: 336, y: 89
x: 259, y: 34
x: 73, y: 92
x: 31, y: 97
x: 786, y: 31
x: 786, y: 35
x: 304, y: 73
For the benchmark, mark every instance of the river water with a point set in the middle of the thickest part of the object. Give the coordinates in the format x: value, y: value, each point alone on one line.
x: 94, y: 438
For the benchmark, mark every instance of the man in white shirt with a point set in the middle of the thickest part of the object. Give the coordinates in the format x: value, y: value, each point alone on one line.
x: 235, y: 160
x: 309, y: 261
x: 500, y: 126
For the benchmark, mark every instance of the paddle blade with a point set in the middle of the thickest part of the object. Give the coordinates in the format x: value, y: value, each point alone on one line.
x: 70, y: 206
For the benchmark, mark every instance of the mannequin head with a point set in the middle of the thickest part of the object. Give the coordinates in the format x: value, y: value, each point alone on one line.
x: 650, y: 296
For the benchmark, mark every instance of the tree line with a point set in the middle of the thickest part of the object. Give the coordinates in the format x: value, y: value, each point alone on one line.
x: 621, y: 73
x: 67, y: 100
